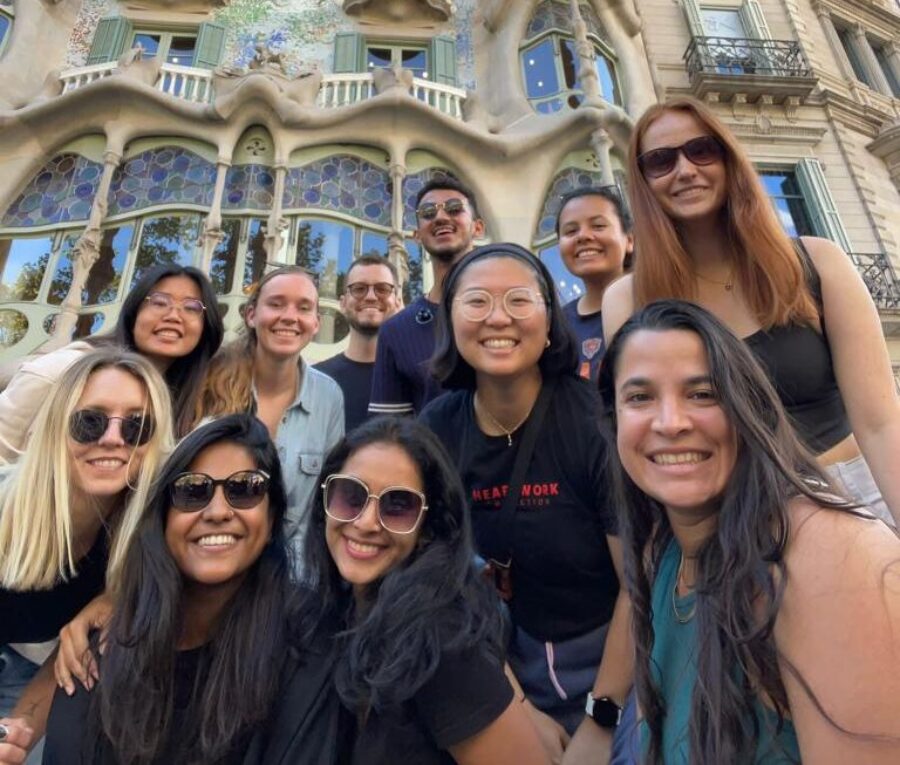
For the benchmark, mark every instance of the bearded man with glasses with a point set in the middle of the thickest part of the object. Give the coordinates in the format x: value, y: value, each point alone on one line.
x: 370, y: 297
x: 447, y: 225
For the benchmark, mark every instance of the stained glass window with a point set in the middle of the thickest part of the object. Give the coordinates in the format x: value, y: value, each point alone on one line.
x: 564, y: 182
x: 412, y: 185
x: 62, y: 191
x: 169, y: 175
x: 249, y: 187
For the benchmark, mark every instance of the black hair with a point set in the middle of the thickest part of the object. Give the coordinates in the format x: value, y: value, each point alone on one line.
x: 185, y: 375
x: 612, y: 195
x: 738, y: 593
x: 239, y: 677
x: 432, y: 602
x: 443, y: 182
x: 448, y: 366
x: 369, y: 259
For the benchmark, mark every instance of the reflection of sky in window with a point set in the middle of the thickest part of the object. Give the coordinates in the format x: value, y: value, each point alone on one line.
x: 23, y: 252
x: 607, y: 80
x: 786, y: 217
x: 568, y: 287
x: 540, y: 70
x: 4, y: 27
x: 150, y: 43
x: 181, y: 51
x: 775, y: 184
x: 416, y: 61
x: 374, y: 243
x: 338, y: 244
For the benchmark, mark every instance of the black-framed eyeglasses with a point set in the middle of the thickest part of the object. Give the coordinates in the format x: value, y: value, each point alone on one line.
x: 518, y: 302
x: 87, y: 426
x: 162, y: 302
x: 243, y: 490
x: 453, y: 207
x: 382, y: 290
x: 399, y: 508
x: 703, y: 150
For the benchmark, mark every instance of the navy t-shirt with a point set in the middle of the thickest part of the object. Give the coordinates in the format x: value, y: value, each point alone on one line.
x: 355, y: 379
x: 563, y: 579
x: 588, y: 332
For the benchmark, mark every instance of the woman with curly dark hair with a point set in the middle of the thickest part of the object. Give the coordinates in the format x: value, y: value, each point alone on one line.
x: 766, y: 607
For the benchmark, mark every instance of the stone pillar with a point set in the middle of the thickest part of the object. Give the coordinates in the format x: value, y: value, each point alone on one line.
x: 212, y: 234
x: 396, y: 246
x: 869, y: 62
x: 85, y: 253
x: 892, y: 54
x: 601, y: 144
x: 834, y: 41
x: 587, y: 69
x: 276, y: 225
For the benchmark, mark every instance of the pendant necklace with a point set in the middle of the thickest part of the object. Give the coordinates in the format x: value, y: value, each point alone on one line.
x: 727, y: 284
x: 493, y: 420
x: 681, y: 619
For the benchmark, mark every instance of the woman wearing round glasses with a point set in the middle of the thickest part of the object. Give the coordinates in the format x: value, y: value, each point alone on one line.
x: 69, y: 507
x: 200, y: 662
x: 419, y: 662
x: 170, y: 317
x: 708, y: 233
x: 521, y: 428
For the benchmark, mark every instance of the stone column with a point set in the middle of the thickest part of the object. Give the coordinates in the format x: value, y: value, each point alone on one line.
x: 834, y: 41
x: 587, y: 70
x: 892, y: 54
x: 396, y: 245
x: 869, y: 62
x: 212, y: 234
x: 276, y: 224
x: 85, y: 253
x: 601, y: 143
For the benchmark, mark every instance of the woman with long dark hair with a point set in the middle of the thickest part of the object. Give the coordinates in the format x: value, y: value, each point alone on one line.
x: 707, y: 232
x: 419, y: 662
x: 201, y: 648
x: 170, y: 317
x: 766, y: 608
x: 521, y: 428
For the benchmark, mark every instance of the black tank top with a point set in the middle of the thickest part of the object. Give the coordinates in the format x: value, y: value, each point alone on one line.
x: 798, y: 360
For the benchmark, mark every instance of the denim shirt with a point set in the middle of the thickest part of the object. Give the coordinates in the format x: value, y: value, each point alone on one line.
x: 311, y: 425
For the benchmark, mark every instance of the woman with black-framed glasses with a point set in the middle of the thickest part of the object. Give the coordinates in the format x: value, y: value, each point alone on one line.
x: 69, y: 508
x: 203, y: 659
x: 419, y: 663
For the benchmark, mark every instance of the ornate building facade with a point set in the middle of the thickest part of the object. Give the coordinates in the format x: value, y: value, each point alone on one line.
x: 232, y: 134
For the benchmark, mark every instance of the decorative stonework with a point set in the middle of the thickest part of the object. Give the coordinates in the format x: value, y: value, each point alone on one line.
x: 394, y: 11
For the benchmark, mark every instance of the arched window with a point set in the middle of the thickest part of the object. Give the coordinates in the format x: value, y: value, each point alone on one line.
x: 550, y: 62
x: 6, y: 22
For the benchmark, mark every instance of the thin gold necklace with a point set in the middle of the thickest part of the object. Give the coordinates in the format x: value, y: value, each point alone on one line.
x: 728, y: 284
x: 507, y: 431
x: 678, y: 617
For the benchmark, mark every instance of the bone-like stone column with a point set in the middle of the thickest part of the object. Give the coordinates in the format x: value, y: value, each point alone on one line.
x: 396, y: 246
x: 276, y: 225
x: 587, y: 69
x: 212, y: 234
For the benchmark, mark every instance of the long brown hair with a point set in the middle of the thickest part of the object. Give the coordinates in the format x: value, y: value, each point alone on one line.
x: 768, y: 269
x: 228, y: 386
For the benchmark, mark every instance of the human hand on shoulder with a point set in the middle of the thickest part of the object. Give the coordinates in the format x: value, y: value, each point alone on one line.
x: 75, y: 657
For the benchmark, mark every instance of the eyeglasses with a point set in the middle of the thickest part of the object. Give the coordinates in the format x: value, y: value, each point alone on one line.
x: 518, y: 302
x: 700, y: 151
x: 87, y: 426
x: 161, y: 302
x: 399, y: 509
x: 452, y: 207
x: 191, y: 492
x: 359, y: 290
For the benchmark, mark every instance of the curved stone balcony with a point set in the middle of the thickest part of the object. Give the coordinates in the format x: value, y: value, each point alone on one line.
x: 195, y: 85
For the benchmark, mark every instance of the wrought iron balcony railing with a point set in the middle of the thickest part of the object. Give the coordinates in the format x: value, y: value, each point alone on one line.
x: 879, y: 276
x: 739, y: 56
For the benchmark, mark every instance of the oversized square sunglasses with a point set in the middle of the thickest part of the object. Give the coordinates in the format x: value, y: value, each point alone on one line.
x: 399, y: 509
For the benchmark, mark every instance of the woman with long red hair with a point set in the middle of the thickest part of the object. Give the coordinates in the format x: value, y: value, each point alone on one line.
x: 708, y: 233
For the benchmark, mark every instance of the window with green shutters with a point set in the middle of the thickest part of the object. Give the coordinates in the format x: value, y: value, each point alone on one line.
x: 110, y: 38
x: 434, y: 60
x: 201, y: 47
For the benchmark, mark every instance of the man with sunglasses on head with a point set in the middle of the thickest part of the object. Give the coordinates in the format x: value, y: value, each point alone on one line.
x: 447, y: 225
x: 370, y: 297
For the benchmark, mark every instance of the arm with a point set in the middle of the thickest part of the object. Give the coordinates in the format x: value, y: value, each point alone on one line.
x: 591, y: 743
x: 618, y: 305
x: 551, y: 735
x: 74, y: 656
x: 33, y: 706
x: 390, y: 393
x: 861, y: 365
x: 19, y: 739
x: 839, y: 628
x: 510, y: 740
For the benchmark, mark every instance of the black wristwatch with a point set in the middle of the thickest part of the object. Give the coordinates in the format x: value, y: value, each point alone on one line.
x: 603, y: 711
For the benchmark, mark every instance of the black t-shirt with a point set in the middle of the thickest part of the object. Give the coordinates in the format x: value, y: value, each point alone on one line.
x: 563, y: 579
x: 464, y: 696
x: 588, y: 331
x: 35, y: 616
x: 355, y: 379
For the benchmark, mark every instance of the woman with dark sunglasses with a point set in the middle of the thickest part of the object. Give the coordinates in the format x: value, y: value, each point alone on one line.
x: 69, y: 507
x: 170, y: 317
x: 419, y: 663
x: 708, y: 233
x: 521, y: 427
x: 201, y: 662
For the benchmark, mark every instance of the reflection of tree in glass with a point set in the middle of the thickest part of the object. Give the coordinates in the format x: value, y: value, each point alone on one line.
x: 255, y: 263
x: 13, y: 326
x: 309, y: 248
x: 221, y: 270
x: 413, y: 287
x: 28, y: 282
x: 166, y: 240
x: 102, y: 284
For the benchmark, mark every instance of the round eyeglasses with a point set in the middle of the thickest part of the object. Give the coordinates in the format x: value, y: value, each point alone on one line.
x: 399, y: 509
x: 87, y: 426
x: 162, y: 302
x: 518, y: 302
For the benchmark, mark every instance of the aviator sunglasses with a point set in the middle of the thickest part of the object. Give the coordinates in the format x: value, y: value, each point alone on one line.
x: 399, y: 509
x: 452, y: 207
x: 190, y: 492
x: 700, y: 151
x: 87, y: 426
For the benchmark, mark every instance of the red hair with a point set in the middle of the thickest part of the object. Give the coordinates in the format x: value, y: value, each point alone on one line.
x: 767, y: 267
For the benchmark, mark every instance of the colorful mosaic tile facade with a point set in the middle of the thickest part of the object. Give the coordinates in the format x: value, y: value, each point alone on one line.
x: 249, y: 187
x: 62, y: 191
x: 563, y: 183
x: 169, y: 175
x: 342, y: 183
x: 412, y: 184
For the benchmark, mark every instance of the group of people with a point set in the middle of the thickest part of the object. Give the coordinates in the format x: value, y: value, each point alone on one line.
x: 656, y: 524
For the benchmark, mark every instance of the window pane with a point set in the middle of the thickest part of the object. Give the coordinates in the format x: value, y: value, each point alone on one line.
x: 374, y: 244
x: 790, y: 206
x: 607, y: 74
x: 887, y: 70
x: 568, y: 287
x: 333, y: 327
x: 850, y: 49
x: 4, y: 27
x: 150, y: 43
x: 569, y: 62
x: 255, y: 261
x: 723, y: 23
x: 22, y: 266
x: 169, y: 239
x: 416, y: 60
x: 13, y: 326
x: 540, y: 70
x: 102, y: 285
x: 326, y: 249
x: 414, y: 286
x: 378, y: 57
x: 181, y: 51
x: 221, y: 269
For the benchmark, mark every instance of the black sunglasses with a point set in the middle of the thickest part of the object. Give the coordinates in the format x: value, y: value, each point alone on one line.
x: 88, y: 425
x: 700, y: 151
x: 190, y: 492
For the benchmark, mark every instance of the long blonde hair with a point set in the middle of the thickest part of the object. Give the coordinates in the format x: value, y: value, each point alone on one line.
x: 36, y: 529
x: 768, y: 269
x: 228, y: 386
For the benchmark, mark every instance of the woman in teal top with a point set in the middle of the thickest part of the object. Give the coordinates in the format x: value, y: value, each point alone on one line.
x: 766, y: 608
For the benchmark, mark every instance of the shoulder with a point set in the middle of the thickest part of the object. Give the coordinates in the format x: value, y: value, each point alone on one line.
x: 578, y: 395
x: 445, y: 409
x: 334, y: 364
x: 831, y: 263
x: 52, y: 365
x: 618, y: 304
x: 321, y: 385
x: 402, y: 320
